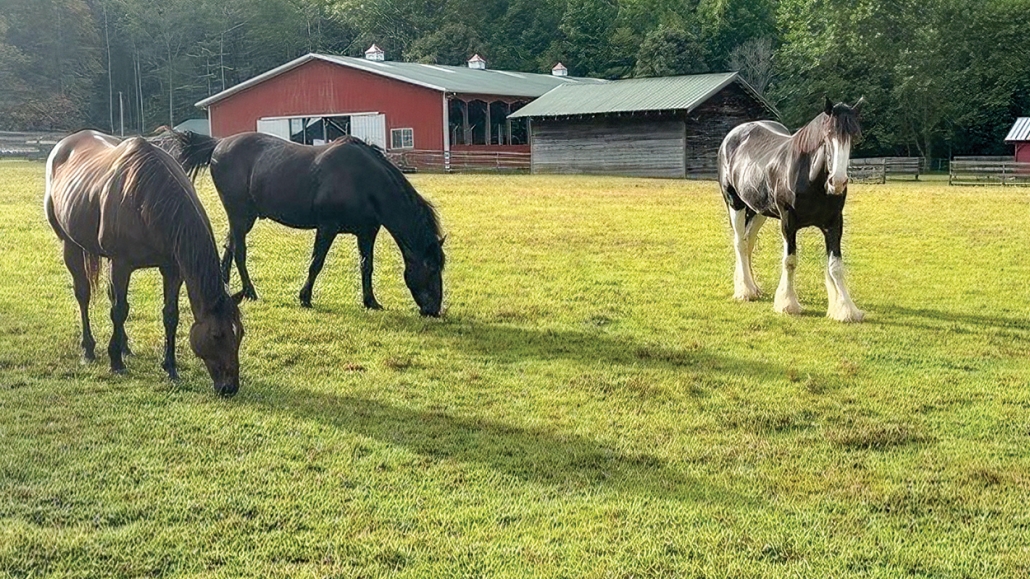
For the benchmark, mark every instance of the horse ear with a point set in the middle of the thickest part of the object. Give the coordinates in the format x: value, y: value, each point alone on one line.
x: 828, y: 107
x: 238, y: 297
x: 858, y: 106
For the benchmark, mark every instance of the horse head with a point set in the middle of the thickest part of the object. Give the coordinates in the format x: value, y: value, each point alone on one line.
x: 423, y: 276
x: 215, y: 338
x: 839, y: 128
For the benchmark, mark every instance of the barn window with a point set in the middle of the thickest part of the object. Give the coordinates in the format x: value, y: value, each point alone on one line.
x: 402, y: 139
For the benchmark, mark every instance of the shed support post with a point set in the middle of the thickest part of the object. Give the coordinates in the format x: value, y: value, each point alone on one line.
x: 489, y: 123
x: 465, y: 131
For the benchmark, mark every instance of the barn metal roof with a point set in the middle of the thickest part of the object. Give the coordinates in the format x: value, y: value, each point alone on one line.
x: 456, y: 79
x: 1020, y: 130
x: 671, y: 93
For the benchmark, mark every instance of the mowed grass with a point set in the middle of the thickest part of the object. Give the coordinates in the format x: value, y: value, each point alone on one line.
x: 593, y: 404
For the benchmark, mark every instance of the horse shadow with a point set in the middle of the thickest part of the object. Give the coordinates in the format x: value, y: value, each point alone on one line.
x: 512, y: 343
x: 932, y: 319
x: 536, y: 455
x: 539, y: 455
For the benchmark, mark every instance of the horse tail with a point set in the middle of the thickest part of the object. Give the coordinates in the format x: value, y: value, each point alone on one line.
x: 93, y: 265
x: 192, y: 150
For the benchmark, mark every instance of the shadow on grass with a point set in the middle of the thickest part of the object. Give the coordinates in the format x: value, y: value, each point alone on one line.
x: 507, y: 343
x: 569, y: 462
x: 934, y: 319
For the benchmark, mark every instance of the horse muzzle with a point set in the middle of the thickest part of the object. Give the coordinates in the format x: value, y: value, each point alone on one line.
x: 227, y: 389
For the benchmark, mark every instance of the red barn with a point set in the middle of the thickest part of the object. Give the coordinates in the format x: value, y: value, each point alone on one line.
x: 1019, y: 135
x: 396, y: 105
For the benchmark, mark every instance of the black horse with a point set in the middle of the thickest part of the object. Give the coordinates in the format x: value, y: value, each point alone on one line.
x: 802, y: 180
x: 346, y: 186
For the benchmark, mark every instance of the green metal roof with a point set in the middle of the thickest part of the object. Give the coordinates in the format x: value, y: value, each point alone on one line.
x: 671, y: 93
x: 456, y: 79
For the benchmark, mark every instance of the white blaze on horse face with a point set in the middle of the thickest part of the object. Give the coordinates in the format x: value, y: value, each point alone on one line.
x: 839, y: 159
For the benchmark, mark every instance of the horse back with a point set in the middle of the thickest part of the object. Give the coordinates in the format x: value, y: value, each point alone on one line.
x: 753, y: 159
x: 299, y: 186
x: 97, y: 191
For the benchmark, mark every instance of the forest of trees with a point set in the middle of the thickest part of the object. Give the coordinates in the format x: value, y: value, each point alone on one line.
x: 941, y: 76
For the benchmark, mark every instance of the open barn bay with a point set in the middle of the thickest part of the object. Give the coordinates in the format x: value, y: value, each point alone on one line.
x: 593, y: 404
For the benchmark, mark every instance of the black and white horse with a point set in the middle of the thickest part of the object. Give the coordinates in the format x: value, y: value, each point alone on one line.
x: 800, y: 179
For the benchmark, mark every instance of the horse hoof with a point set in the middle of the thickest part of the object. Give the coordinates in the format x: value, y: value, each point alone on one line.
x: 305, y: 304
x: 88, y: 358
x: 788, y: 307
x: 118, y: 371
x: 250, y: 294
x: 373, y: 306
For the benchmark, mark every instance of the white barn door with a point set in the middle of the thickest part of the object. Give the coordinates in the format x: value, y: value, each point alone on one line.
x: 369, y: 128
x: 276, y: 127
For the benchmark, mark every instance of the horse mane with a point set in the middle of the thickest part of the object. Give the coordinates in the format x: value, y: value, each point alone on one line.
x: 810, y: 137
x: 169, y: 205
x: 844, y: 122
x: 427, y: 229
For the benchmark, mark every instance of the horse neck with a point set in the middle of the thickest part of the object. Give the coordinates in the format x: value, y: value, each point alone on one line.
x: 194, y: 252
x: 411, y: 223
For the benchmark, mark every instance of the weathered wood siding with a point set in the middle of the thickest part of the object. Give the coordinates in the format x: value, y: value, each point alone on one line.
x: 708, y: 125
x: 632, y: 146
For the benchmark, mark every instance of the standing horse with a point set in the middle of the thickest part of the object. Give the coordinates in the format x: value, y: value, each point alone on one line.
x: 802, y: 180
x: 131, y: 203
x: 343, y: 187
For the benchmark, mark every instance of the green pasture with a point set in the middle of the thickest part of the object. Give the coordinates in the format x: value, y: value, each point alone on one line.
x: 593, y: 404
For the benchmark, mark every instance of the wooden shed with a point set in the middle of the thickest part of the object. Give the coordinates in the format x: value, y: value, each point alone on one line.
x: 1019, y: 137
x: 654, y: 127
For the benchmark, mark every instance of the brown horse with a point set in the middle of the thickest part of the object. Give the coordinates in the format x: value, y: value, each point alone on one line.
x: 131, y: 203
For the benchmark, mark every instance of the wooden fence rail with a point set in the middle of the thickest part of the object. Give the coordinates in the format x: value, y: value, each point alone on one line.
x: 34, y: 146
x: 879, y: 169
x: 461, y: 162
x: 965, y: 171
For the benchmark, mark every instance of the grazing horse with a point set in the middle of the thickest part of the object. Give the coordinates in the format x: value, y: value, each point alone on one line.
x: 802, y: 180
x: 131, y: 203
x: 345, y: 186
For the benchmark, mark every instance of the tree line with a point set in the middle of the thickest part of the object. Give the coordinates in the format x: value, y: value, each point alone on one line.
x: 942, y: 77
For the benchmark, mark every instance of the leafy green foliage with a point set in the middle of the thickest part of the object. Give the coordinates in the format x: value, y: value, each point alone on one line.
x: 669, y: 52
x: 593, y: 403
x: 942, y: 77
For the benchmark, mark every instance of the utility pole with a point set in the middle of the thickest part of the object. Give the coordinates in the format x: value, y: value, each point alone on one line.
x: 121, y: 114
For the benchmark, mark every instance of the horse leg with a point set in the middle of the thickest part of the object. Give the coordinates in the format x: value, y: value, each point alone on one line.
x: 125, y: 336
x: 786, y: 298
x: 172, y: 283
x: 744, y: 287
x: 230, y: 250
x: 840, y: 308
x: 324, y: 237
x: 239, y: 230
x: 119, y: 312
x: 753, y: 224
x: 366, y: 246
x: 75, y: 259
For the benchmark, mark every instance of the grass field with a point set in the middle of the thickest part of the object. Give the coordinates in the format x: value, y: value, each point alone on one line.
x: 593, y: 404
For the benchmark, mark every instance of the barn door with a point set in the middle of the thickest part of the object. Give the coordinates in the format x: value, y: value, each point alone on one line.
x: 276, y: 127
x: 369, y: 128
